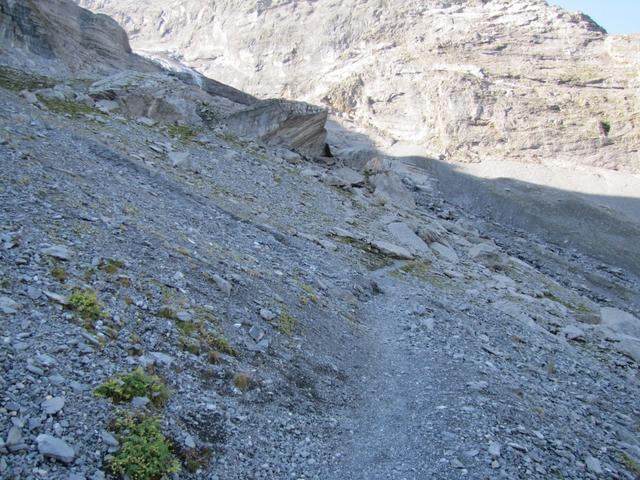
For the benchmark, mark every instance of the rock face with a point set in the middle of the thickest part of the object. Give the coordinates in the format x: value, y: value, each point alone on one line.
x: 467, y: 79
x: 60, y: 39
x: 66, y: 36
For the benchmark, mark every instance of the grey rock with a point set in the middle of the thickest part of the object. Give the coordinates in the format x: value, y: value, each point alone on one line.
x: 391, y: 249
x: 189, y: 442
x: 344, y: 177
x: 109, y: 439
x: 593, y: 465
x: 53, y: 405
x: 162, y: 358
x: 223, y: 285
x: 267, y: 314
x: 8, y: 306
x: 55, y: 448
x: 445, y: 252
x: 15, y: 441
x: 61, y: 252
x: 256, y: 333
x: 140, y: 402
x: 494, y: 449
x: 572, y: 332
x: 407, y: 237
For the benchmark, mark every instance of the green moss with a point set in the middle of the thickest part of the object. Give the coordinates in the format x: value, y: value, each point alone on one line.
x: 69, y: 107
x: 125, y: 386
x: 145, y: 453
x: 630, y: 464
x: 204, y: 337
x: 111, y: 266
x: 181, y: 132
x: 60, y: 274
x: 12, y: 79
x: 168, y: 313
x: 85, y: 302
x: 286, y: 323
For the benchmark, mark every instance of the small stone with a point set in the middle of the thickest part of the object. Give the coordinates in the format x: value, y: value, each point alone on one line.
x: 60, y: 252
x: 477, y: 386
x: 571, y: 332
x: 34, y: 293
x: 189, y: 442
x: 457, y: 463
x: 55, y: 448
x: 162, y: 358
x: 178, y: 158
x: 35, y: 370
x: 593, y: 465
x: 139, y: 402
x: 53, y: 405
x: 109, y: 439
x: 223, y: 285
x: 256, y: 333
x: 45, y: 360
x: 184, y: 316
x: 8, y: 306
x: 56, y: 297
x: 494, y: 449
x: 15, y: 441
x: 267, y: 315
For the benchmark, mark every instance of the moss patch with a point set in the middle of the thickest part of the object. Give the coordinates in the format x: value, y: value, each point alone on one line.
x: 286, y: 324
x: 145, y: 453
x: 17, y: 80
x: 111, y: 266
x: 125, y: 386
x: 181, y: 133
x: 69, y: 107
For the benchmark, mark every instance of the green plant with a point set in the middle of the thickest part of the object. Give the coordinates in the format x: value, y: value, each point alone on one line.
x: 242, y: 381
x: 145, y: 453
x: 86, y: 303
x: 125, y: 386
x: 110, y: 266
x: 196, y: 458
x: 630, y: 464
x: 12, y: 79
x: 70, y: 107
x: 59, y: 273
x: 181, y: 132
x: 168, y: 313
x: 286, y: 323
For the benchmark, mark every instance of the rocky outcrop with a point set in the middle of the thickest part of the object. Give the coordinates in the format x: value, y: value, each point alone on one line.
x: 278, y: 122
x: 468, y: 80
x: 63, y: 36
x: 60, y: 39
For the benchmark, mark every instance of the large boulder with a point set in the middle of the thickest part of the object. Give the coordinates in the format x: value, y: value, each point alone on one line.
x: 297, y: 125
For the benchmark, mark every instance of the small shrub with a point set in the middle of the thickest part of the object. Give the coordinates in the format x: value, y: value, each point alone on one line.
x: 181, y: 132
x: 168, y: 313
x: 123, y: 387
x: 286, y: 324
x: 213, y: 357
x: 86, y: 303
x: 60, y: 274
x: 196, y: 458
x: 111, y: 266
x: 242, y: 381
x: 145, y: 453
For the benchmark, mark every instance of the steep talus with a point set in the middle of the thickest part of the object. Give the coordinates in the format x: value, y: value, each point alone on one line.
x: 468, y: 80
x: 191, y: 288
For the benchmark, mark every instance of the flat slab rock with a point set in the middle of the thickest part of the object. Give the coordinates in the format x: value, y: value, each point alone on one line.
x: 55, y: 448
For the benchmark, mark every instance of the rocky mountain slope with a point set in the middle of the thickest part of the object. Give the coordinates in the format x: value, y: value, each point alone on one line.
x: 189, y: 288
x: 467, y: 80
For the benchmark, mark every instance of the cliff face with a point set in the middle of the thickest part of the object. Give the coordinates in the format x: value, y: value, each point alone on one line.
x: 470, y: 80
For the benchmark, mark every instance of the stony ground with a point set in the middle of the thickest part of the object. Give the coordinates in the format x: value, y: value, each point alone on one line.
x: 482, y: 356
